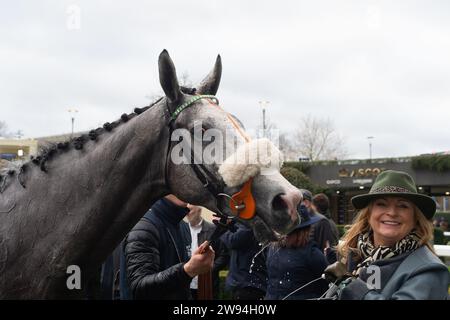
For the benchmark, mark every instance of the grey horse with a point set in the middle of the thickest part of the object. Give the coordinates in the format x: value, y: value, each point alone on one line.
x: 75, y: 202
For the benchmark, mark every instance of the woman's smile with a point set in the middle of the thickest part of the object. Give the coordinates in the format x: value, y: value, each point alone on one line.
x: 391, y: 219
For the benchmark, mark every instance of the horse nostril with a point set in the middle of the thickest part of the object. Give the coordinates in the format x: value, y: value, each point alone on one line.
x: 278, y: 203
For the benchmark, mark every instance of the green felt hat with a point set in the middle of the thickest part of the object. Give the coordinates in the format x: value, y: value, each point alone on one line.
x: 396, y: 184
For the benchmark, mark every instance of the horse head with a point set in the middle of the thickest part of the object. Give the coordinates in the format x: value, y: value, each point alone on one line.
x: 211, y: 161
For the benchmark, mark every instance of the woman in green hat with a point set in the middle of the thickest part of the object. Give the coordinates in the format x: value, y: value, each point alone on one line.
x: 387, y: 252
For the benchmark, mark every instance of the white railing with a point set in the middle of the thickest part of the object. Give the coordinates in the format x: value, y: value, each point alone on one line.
x: 441, y: 250
x: 447, y: 233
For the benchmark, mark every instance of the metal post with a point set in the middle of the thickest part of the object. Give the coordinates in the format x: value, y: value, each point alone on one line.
x: 72, y: 112
x: 264, y: 122
x: 370, y: 147
x: 263, y: 105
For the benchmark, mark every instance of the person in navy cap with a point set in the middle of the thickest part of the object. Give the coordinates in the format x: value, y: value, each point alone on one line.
x: 322, y: 231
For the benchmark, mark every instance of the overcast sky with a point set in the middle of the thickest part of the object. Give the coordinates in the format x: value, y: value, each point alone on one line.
x: 375, y: 68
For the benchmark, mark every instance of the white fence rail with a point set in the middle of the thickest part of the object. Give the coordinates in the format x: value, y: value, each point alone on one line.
x: 442, y: 251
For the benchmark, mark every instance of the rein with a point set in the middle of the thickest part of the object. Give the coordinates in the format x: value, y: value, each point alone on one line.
x: 242, y: 203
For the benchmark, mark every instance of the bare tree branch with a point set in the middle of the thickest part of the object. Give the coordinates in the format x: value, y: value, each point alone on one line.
x: 4, y: 130
x: 286, y: 146
x: 317, y: 139
x: 185, y: 80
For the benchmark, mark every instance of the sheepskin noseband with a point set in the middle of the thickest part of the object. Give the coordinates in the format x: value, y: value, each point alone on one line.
x: 258, y: 156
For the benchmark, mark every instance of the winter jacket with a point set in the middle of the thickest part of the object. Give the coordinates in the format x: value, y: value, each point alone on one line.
x: 243, y: 247
x: 418, y: 275
x: 333, y: 228
x: 288, y: 269
x: 156, y: 250
x: 322, y: 232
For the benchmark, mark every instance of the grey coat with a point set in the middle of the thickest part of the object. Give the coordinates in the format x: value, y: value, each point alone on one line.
x: 418, y: 276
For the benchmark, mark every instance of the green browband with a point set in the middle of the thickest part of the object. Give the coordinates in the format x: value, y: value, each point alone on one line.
x: 190, y: 102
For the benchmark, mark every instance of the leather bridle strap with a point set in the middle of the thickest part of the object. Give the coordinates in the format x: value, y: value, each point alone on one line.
x: 189, y: 102
x: 208, y: 180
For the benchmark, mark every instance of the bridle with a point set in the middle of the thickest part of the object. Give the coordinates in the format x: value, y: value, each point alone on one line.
x: 242, y: 203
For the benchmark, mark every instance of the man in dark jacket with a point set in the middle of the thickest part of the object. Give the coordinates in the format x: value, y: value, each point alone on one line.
x: 321, y: 204
x: 157, y: 253
x: 243, y: 284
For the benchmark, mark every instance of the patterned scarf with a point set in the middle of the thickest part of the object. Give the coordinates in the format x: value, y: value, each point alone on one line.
x: 371, y: 254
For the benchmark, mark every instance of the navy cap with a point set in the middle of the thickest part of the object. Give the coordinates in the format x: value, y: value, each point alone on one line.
x: 306, y: 218
x: 307, y: 195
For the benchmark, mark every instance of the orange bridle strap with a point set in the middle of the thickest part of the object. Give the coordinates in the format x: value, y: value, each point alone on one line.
x: 242, y: 203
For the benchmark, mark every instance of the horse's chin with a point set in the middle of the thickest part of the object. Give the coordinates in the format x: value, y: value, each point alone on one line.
x: 263, y: 233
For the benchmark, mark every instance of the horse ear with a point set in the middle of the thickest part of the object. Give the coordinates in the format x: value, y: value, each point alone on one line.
x: 210, y: 84
x: 168, y: 77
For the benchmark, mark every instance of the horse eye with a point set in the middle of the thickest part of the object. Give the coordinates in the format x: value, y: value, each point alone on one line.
x: 203, y: 129
x: 197, y: 133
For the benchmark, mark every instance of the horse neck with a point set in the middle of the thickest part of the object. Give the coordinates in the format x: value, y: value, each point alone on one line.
x: 134, y: 179
x: 94, y: 196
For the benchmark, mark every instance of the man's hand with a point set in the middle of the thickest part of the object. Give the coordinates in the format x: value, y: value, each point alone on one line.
x: 202, y: 260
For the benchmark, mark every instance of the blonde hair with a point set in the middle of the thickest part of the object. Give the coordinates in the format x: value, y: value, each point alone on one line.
x: 423, y: 228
